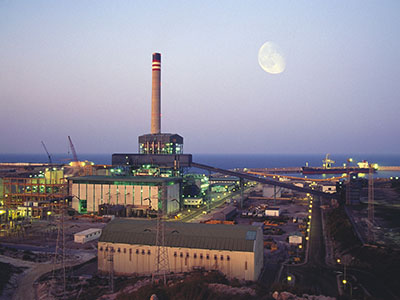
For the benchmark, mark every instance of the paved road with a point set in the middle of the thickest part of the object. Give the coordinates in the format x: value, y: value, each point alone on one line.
x: 25, y: 288
x: 319, y: 277
x: 314, y: 276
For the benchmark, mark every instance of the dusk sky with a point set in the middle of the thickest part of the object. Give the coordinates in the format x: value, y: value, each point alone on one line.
x: 83, y: 68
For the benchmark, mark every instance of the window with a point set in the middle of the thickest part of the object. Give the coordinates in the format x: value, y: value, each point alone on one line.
x: 181, y: 255
x: 195, y: 255
x: 101, y: 248
x: 208, y: 256
x: 175, y: 254
x: 201, y: 256
x: 148, y: 252
x: 215, y: 257
x: 119, y: 250
x: 228, y: 258
x: 124, y: 250
x: 137, y: 251
x: 245, y: 265
x: 222, y: 257
x: 187, y: 254
x: 143, y: 252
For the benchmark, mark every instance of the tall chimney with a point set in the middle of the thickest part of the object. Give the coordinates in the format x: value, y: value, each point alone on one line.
x: 156, y: 94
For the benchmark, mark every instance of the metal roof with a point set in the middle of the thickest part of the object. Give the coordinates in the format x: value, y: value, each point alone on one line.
x: 149, y: 179
x: 181, y: 235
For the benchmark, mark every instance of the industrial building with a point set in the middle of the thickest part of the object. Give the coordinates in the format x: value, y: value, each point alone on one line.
x: 87, y: 235
x: 139, y: 192
x: 127, y: 246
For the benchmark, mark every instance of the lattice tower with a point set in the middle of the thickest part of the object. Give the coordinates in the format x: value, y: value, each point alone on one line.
x: 59, y: 253
x: 370, y: 203
x: 348, y: 188
x: 161, y: 263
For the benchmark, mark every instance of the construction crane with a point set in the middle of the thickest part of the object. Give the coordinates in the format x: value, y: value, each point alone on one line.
x: 73, y: 149
x: 48, y: 154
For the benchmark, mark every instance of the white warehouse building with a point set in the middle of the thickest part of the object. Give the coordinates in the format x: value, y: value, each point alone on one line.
x: 234, y: 250
x: 87, y: 235
x: 88, y: 192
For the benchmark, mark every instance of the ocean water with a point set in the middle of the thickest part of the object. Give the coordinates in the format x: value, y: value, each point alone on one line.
x: 230, y: 161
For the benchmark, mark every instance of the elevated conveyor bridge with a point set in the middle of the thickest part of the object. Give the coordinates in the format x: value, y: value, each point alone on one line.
x: 265, y: 181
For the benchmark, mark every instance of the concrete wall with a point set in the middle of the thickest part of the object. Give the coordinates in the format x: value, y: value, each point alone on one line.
x: 140, y: 259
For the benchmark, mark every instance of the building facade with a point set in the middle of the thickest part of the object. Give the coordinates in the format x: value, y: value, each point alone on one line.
x: 127, y: 246
x: 88, y: 192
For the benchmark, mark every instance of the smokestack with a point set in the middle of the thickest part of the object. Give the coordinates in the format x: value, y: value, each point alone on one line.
x: 156, y: 94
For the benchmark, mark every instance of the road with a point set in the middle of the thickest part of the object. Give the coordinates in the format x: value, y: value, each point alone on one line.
x: 25, y: 282
x: 320, y: 278
x: 314, y: 276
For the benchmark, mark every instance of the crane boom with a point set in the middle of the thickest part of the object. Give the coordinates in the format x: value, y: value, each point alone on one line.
x: 48, y: 154
x: 73, y: 149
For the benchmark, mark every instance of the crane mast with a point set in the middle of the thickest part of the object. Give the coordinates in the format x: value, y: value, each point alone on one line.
x: 48, y: 154
x: 72, y: 149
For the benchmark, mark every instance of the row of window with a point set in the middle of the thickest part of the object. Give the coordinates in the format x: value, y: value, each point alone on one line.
x: 143, y: 252
x: 124, y: 250
x: 201, y: 256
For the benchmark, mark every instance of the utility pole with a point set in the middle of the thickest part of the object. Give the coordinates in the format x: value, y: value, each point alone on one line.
x: 161, y: 263
x: 370, y: 203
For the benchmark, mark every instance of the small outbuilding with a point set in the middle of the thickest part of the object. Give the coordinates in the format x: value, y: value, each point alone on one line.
x: 296, y: 238
x: 272, y: 212
x: 87, y: 235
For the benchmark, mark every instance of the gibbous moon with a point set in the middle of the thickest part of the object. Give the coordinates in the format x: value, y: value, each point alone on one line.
x: 271, y: 59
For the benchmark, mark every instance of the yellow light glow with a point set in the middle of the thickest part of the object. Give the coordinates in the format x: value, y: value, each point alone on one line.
x: 49, y: 213
x: 300, y: 246
x: 344, y: 281
x: 309, y: 210
x: 307, y: 238
x: 338, y: 260
x: 289, y: 278
x: 2, y: 212
x: 309, y: 217
x: 308, y: 229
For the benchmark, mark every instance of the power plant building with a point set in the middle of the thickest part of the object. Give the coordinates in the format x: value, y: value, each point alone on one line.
x: 128, y: 247
x: 141, y: 192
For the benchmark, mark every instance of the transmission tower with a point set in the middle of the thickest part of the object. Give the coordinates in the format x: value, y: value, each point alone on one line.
x: 370, y: 203
x: 348, y: 188
x: 161, y: 263
x: 59, y: 254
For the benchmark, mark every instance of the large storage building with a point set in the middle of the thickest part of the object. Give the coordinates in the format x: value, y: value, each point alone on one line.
x: 128, y: 246
x: 89, y: 192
